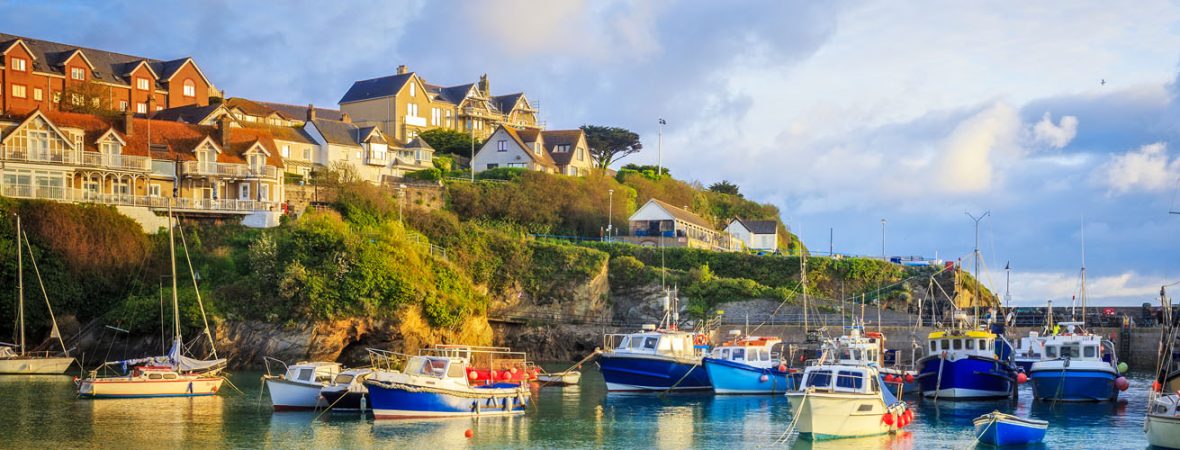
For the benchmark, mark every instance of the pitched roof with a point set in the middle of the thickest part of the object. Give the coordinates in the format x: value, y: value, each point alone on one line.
x: 759, y: 226
x: 506, y: 103
x: 553, y: 138
x: 529, y: 134
x: 376, y: 87
x: 297, y: 112
x: 682, y: 214
x: 109, y: 67
x: 188, y: 114
x: 543, y: 158
x: 253, y: 108
x: 456, y: 94
x: 418, y: 142
x: 281, y: 133
x: 337, y: 132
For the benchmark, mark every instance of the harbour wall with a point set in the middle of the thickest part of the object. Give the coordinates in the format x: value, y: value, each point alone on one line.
x: 1136, y: 346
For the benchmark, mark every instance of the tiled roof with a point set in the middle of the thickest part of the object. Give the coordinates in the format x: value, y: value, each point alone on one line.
x: 456, y: 94
x: 760, y: 226
x: 528, y: 134
x: 418, y: 142
x: 254, y: 108
x: 553, y: 138
x: 376, y: 88
x: 187, y: 114
x: 505, y: 103
x: 337, y: 132
x: 281, y: 133
x: 543, y: 158
x: 683, y: 214
x: 370, y: 133
x: 109, y: 67
x: 297, y: 112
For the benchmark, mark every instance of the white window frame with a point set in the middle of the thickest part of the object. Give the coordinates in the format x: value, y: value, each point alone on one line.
x: 19, y: 64
x: 20, y: 91
x: 502, y: 145
x: 190, y: 88
x: 154, y: 190
x: 78, y: 73
x: 413, y: 89
x: 141, y: 108
x: 244, y: 191
x: 286, y: 151
x: 142, y: 84
x: 38, y: 94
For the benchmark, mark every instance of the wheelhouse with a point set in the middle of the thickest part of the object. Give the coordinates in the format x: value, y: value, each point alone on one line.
x: 437, y: 367
x: 321, y: 373
x: 838, y: 378
x: 661, y: 343
x: 969, y: 343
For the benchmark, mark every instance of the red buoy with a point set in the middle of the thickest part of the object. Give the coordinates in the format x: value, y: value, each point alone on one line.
x: 909, y: 378
x: 1121, y: 383
x: 1021, y: 378
x: 782, y: 367
x: 889, y: 378
x: 1155, y: 386
x: 468, y: 434
x: 887, y: 418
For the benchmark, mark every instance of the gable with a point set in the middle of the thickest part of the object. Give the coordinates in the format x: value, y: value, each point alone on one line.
x: 37, y: 118
x: 188, y: 62
x: 140, y: 66
x: 76, y: 54
x: 21, y: 43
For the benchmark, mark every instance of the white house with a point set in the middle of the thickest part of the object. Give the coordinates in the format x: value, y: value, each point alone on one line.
x: 658, y: 223
x: 375, y: 155
x: 506, y: 147
x: 755, y: 234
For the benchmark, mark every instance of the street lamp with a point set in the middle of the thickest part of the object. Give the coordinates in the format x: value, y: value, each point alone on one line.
x: 660, y: 151
x: 610, y: 211
x: 883, y: 257
x: 975, y: 298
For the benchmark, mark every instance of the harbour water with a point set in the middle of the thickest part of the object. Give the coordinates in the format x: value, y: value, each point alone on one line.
x: 42, y: 412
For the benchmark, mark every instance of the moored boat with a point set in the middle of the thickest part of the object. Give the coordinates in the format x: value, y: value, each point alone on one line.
x: 1162, y: 423
x: 299, y: 387
x: 967, y: 365
x: 655, y: 359
x: 16, y: 359
x: 348, y: 392
x: 441, y: 386
x: 566, y: 378
x: 838, y: 400
x: 748, y: 365
x: 1028, y: 350
x: 1077, y: 366
x: 997, y: 428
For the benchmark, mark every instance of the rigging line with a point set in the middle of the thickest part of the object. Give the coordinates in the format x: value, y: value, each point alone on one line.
x: 56, y: 331
x: 192, y: 274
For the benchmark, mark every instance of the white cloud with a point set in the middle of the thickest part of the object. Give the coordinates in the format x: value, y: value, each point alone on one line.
x: 1149, y: 168
x: 1127, y: 288
x: 971, y: 151
x: 1056, y: 136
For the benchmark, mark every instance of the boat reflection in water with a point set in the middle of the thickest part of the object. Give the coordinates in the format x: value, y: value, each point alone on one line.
x: 172, y: 422
x: 449, y: 432
x: 899, y: 441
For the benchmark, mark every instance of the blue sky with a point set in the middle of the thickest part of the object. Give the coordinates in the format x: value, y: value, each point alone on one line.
x: 840, y: 113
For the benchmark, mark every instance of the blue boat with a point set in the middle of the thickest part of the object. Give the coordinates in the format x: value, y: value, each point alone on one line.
x: 999, y: 429
x: 441, y: 386
x: 967, y: 365
x: 748, y: 365
x: 655, y: 359
x: 1077, y: 367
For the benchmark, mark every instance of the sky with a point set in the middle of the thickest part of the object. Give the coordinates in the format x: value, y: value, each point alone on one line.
x: 1060, y: 119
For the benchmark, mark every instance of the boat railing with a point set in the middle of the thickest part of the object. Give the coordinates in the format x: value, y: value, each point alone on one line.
x: 266, y: 361
x: 387, y: 360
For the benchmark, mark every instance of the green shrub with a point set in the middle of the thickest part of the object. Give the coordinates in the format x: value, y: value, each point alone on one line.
x: 431, y: 174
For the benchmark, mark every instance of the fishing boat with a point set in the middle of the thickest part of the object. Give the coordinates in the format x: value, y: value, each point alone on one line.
x: 998, y: 429
x: 840, y: 400
x: 566, y: 378
x: 1077, y: 367
x: 16, y: 359
x: 967, y: 364
x: 299, y: 387
x: 347, y: 392
x: 1028, y: 350
x: 748, y: 365
x: 444, y: 384
x: 1162, y: 423
x: 170, y: 375
x: 655, y: 359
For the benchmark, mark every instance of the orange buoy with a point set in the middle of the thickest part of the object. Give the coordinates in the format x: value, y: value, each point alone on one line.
x: 1155, y: 386
x: 889, y: 378
x: 887, y: 418
x: 1121, y: 383
x: 782, y: 367
x: 471, y: 375
x: 468, y: 434
x: 1021, y: 378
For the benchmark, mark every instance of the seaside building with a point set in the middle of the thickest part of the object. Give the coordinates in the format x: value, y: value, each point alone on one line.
x: 658, y: 223
x: 761, y: 235
x: 141, y: 166
x: 556, y: 151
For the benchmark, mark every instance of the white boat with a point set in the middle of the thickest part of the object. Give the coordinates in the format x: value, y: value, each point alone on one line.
x: 838, y: 400
x: 16, y: 359
x: 171, y: 375
x: 1077, y: 366
x: 299, y: 388
x: 1162, y: 423
x: 348, y: 392
x: 567, y: 378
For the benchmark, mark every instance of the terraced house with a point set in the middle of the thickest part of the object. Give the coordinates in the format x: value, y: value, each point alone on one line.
x: 404, y: 104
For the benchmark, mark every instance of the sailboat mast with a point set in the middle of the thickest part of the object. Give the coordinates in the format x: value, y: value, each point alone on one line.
x: 172, y: 260
x: 975, y: 298
x: 1083, y: 272
x: 803, y: 286
x: 20, y: 270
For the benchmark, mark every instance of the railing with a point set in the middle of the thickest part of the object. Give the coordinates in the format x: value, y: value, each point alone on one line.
x: 229, y: 170
x: 378, y: 159
x: 127, y: 162
x: 80, y: 158
x: 85, y: 196
x: 415, y: 121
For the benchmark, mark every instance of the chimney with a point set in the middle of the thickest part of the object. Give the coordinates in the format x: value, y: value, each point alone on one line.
x: 310, y: 112
x: 128, y: 121
x: 401, y: 70
x: 484, y: 85
x: 223, y: 131
x: 344, y: 117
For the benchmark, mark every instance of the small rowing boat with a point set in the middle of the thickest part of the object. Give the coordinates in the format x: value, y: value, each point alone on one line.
x: 997, y: 428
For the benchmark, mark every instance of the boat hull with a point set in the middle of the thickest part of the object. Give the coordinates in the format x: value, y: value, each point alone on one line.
x: 728, y: 377
x: 1163, y: 431
x: 35, y: 366
x: 346, y: 400
x: 969, y: 378
x: 837, y: 416
x: 629, y: 372
x: 1009, y: 432
x: 571, y: 378
x: 1074, y: 385
x: 129, y: 388
x: 287, y: 395
x: 398, y: 401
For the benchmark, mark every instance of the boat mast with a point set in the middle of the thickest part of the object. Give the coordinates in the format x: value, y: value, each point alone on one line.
x: 803, y: 286
x: 172, y: 260
x: 1083, y: 293
x: 975, y: 298
x: 21, y: 285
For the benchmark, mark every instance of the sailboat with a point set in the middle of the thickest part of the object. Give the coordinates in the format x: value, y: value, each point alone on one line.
x: 171, y: 375
x: 16, y: 359
x: 1162, y: 424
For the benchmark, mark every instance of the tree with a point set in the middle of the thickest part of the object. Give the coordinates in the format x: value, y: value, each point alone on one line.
x: 610, y: 144
x: 450, y: 142
x: 87, y: 97
x: 725, y: 187
x: 648, y: 171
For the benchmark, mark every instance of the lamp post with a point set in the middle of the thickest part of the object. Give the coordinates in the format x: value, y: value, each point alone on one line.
x: 610, y: 212
x: 401, y: 200
x: 471, y: 126
x: 883, y: 257
x: 660, y: 150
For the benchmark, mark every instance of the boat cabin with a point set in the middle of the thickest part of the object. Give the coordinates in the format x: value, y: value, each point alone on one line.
x: 856, y: 348
x: 154, y: 373
x: 979, y: 343
x: 354, y: 376
x: 313, y: 372
x: 437, y: 367
x: 751, y: 350
x: 667, y: 343
x: 840, y: 378
x: 1077, y: 345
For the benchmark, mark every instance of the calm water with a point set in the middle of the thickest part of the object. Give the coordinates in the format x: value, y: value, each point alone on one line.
x: 42, y: 412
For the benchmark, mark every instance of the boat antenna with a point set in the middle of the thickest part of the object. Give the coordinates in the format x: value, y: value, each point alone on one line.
x: 975, y: 298
x: 803, y: 286
x: 172, y: 259
x: 1007, y: 284
x: 21, y: 283
x: 1083, y: 290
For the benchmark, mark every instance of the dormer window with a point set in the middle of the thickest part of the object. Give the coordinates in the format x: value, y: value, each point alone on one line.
x: 142, y: 84
x: 78, y: 73
x: 257, y: 161
x: 562, y: 148
x: 190, y: 88
x: 19, y: 64
x: 110, y: 147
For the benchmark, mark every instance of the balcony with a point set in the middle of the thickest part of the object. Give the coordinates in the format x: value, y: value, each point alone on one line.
x: 75, y: 158
x: 35, y: 155
x: 378, y: 158
x: 121, y: 162
x: 228, y: 170
x: 415, y: 121
x: 159, y: 203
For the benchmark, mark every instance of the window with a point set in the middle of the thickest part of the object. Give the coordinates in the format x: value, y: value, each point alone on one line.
x: 307, y: 153
x: 623, y: 342
x: 154, y: 190
x: 264, y: 192
x: 122, y: 105
x: 493, y: 166
x: 983, y: 344
x: 77, y: 73
x: 1090, y: 351
x: 502, y: 145
x: 91, y: 187
x: 971, y: 344
x: 141, y: 108
x: 286, y: 151
x: 650, y: 342
x: 190, y: 88
x: 819, y: 379
x: 1051, y: 351
x: 517, y: 165
x: 57, y: 97
x: 19, y: 91
x: 958, y: 344
x: 142, y: 84
x: 850, y: 380
x: 739, y: 354
x: 244, y: 191
x: 155, y: 376
x: 581, y: 154
x: 38, y: 94
x: 562, y: 148
x: 435, y: 116
x: 412, y: 110
x: 636, y: 342
x: 19, y: 64
x: 413, y: 89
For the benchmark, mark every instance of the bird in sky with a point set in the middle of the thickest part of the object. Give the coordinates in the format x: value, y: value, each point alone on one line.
x: 1102, y: 82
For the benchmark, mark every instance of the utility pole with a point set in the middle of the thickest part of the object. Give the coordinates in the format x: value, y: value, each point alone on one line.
x: 610, y: 211
x: 660, y: 150
x: 975, y: 298
x: 883, y: 257
x: 831, y: 241
x: 1007, y: 284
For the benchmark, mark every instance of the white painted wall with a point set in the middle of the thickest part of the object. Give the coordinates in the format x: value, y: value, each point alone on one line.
x: 489, y: 153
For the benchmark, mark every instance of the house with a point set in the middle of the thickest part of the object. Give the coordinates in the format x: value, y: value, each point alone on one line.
x: 376, y: 157
x: 759, y: 235
x: 569, y: 151
x: 39, y: 74
x: 657, y: 223
x: 508, y: 147
x: 143, y: 166
x: 404, y: 105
